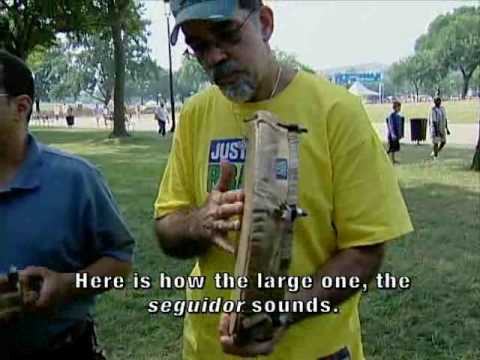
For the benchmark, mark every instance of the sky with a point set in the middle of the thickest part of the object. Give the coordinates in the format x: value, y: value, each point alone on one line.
x: 325, y: 34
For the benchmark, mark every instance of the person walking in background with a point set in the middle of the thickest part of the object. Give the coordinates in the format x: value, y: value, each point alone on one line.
x: 161, y: 117
x: 437, y: 120
x: 394, y: 131
x: 63, y: 108
x: 106, y: 115
x: 98, y: 114
x: 70, y: 117
x: 56, y: 112
x: 138, y: 112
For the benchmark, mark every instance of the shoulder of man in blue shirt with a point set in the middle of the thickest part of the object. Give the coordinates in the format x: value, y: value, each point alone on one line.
x: 70, y: 193
x: 88, y: 182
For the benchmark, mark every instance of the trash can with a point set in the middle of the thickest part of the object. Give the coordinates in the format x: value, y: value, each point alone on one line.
x: 418, y: 129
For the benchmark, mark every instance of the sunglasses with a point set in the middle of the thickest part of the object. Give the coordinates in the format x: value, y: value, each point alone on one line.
x: 224, y: 39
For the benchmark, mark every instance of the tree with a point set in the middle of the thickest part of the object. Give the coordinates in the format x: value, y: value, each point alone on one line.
x: 119, y: 20
x: 476, y: 158
x: 412, y: 71
x: 291, y: 60
x: 55, y: 75
x: 148, y: 80
x: 475, y: 81
x: 92, y: 58
x: 190, y: 78
x: 28, y: 24
x: 455, y: 43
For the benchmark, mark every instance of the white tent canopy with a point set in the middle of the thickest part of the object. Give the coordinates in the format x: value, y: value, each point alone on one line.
x: 359, y: 89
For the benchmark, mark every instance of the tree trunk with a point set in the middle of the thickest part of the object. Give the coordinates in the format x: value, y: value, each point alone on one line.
x: 119, y: 129
x: 467, y: 75
x: 476, y: 158
x: 465, y: 87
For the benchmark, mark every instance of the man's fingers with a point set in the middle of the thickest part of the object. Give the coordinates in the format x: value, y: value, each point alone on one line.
x: 9, y: 315
x: 227, y: 173
x: 233, y: 196
x: 255, y: 319
x: 10, y: 299
x: 224, y: 324
x: 227, y: 210
x: 31, y: 271
x: 250, y: 350
x: 223, y: 244
x: 225, y: 225
x: 30, y: 297
x: 4, y: 284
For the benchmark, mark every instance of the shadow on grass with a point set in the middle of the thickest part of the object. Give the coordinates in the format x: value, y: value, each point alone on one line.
x: 438, y: 317
x: 411, y: 154
x: 58, y: 137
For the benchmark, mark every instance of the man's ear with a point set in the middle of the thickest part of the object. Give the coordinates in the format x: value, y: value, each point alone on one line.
x: 23, y: 104
x: 266, y: 22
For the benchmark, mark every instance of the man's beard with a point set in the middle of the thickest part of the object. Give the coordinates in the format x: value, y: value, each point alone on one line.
x: 242, y: 90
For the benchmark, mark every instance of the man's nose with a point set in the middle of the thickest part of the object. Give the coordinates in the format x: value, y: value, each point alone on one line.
x: 214, y: 55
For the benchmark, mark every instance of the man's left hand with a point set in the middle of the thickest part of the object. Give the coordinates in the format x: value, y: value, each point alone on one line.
x: 250, y: 350
x: 448, y: 131
x: 55, y: 287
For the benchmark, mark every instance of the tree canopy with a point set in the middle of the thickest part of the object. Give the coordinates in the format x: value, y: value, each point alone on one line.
x: 452, y: 43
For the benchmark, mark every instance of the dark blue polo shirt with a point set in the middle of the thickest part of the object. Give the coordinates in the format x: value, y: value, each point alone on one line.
x: 58, y: 212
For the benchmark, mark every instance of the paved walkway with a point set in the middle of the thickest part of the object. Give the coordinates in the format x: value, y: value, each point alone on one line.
x: 462, y: 134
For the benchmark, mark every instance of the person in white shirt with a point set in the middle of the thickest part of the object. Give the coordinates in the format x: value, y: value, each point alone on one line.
x: 162, y: 118
x: 438, y: 127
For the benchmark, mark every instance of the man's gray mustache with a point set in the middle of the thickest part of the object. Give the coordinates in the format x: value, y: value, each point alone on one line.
x: 221, y: 70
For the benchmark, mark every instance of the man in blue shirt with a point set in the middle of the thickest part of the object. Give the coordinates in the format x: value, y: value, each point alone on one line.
x: 58, y: 218
x: 394, y: 130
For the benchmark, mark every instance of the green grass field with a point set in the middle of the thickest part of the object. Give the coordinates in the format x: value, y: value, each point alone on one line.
x: 438, y: 318
x: 458, y: 112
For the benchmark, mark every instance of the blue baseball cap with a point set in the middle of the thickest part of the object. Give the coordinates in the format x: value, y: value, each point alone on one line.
x: 210, y: 10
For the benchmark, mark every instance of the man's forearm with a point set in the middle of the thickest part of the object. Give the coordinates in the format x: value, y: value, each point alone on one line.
x: 181, y: 235
x: 362, y: 262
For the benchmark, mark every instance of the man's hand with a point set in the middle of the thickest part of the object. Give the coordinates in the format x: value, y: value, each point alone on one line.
x: 448, y: 131
x: 55, y: 288
x: 250, y: 350
x: 189, y: 232
x: 221, y: 205
x: 10, y: 302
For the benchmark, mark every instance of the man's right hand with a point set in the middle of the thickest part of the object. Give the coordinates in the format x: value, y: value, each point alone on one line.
x: 12, y: 300
x: 9, y: 302
x: 215, y: 217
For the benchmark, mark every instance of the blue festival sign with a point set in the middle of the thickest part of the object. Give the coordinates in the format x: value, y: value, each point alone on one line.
x: 364, y: 77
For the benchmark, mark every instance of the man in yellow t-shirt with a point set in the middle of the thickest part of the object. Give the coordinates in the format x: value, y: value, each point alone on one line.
x: 346, y: 183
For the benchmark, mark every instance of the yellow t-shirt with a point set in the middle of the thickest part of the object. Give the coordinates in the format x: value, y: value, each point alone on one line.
x: 347, y: 185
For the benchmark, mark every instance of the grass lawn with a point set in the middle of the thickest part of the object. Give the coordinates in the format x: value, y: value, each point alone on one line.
x: 438, y: 318
x: 458, y: 112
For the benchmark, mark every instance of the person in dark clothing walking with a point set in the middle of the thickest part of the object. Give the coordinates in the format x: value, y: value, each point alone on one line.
x: 394, y: 131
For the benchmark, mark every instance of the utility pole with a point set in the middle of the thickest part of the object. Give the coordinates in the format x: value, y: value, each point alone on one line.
x: 172, y: 97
